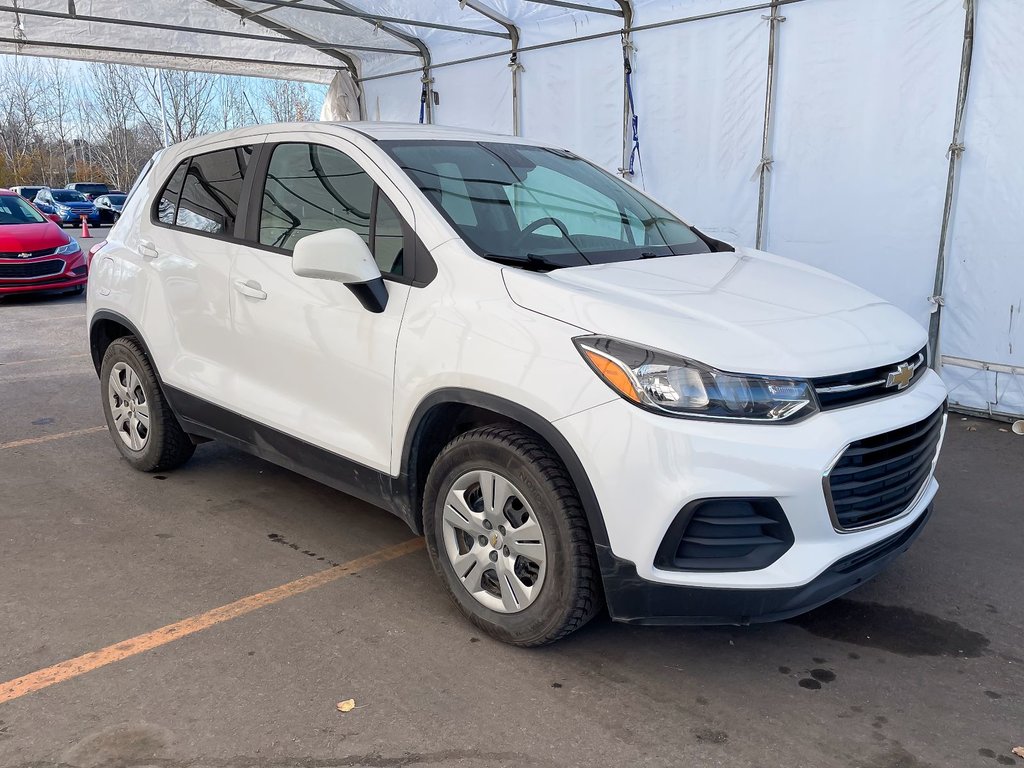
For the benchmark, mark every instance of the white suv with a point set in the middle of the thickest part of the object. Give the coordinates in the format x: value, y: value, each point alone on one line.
x: 578, y: 399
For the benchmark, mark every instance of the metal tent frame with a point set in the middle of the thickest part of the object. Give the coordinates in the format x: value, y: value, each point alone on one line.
x: 295, y: 40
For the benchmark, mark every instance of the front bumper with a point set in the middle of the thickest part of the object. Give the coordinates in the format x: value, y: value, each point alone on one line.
x: 73, y: 217
x: 74, y: 274
x: 636, y: 601
x: 646, y: 467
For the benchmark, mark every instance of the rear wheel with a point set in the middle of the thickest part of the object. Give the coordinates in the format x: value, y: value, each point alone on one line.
x: 144, y: 429
x: 508, y: 537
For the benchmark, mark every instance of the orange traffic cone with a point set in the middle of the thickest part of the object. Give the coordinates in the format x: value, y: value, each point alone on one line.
x: 85, y: 225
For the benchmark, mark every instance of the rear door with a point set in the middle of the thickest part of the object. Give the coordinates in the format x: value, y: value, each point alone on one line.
x: 187, y: 239
x: 309, y: 359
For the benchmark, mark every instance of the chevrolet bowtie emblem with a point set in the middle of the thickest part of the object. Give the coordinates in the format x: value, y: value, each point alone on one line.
x: 900, y: 378
x: 24, y: 255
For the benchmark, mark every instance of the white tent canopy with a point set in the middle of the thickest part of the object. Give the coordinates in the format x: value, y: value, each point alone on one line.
x: 882, y: 140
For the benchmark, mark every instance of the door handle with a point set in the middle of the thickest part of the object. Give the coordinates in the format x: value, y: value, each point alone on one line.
x: 148, y: 249
x: 250, y: 288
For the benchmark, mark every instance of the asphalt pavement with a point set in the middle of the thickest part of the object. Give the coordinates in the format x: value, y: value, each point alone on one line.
x: 239, y: 648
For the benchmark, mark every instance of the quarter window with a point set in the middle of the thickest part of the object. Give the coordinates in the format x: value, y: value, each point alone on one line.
x: 167, y: 206
x: 388, y: 238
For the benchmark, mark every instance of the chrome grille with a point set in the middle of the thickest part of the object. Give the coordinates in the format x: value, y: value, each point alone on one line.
x: 869, y: 384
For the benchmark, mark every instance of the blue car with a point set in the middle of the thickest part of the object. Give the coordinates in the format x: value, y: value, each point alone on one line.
x: 68, y: 205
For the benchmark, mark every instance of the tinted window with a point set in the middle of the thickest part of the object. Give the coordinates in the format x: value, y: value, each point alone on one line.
x: 212, y: 189
x: 92, y: 189
x: 168, y: 202
x: 312, y: 188
x: 116, y: 199
x: 388, y: 238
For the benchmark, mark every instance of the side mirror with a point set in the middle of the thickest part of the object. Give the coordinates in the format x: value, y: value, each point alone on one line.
x: 342, y: 256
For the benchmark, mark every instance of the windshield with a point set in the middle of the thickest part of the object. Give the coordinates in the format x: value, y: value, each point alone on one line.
x: 538, y: 207
x: 68, y: 196
x: 29, y: 193
x: 116, y: 199
x: 15, y: 210
x: 92, y: 189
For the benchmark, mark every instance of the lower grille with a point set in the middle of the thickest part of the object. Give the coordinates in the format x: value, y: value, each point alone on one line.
x: 725, y: 535
x: 31, y: 269
x: 876, y: 479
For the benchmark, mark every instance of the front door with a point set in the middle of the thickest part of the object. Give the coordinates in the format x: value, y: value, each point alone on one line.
x: 309, y: 359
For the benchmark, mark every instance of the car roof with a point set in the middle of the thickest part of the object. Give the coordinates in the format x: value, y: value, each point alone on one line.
x: 375, y: 131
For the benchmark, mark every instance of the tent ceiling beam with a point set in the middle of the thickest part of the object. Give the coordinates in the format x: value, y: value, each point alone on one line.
x: 342, y: 9
x: 349, y: 10
x: 288, y: 32
x: 321, y: 46
x: 579, y: 7
x: 62, y: 45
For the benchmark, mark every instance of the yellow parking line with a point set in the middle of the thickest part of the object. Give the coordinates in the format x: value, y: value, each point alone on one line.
x: 48, y: 438
x: 46, y: 359
x: 87, y: 662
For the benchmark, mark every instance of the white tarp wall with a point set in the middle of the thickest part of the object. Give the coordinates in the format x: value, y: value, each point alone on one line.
x: 862, y: 119
x: 851, y: 175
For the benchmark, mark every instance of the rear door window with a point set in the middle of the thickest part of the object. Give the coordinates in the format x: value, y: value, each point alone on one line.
x: 211, y: 190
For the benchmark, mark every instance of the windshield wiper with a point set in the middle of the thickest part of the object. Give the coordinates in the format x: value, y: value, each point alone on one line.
x: 529, y: 261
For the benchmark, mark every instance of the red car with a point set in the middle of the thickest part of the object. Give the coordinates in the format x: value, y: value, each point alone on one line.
x: 35, y: 253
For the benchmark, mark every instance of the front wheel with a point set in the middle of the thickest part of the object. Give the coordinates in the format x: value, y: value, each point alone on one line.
x: 144, y: 429
x: 508, y: 537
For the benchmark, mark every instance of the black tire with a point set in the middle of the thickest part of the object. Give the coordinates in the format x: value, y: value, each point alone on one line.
x: 167, y: 446
x: 571, y: 592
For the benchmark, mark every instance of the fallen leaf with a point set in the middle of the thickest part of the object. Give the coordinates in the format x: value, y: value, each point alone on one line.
x: 1018, y: 751
x: 972, y: 428
x: 347, y: 705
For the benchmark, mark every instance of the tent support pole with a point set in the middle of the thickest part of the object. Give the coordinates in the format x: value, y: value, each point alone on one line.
x: 626, y: 7
x: 343, y: 8
x: 283, y: 29
x: 765, y: 166
x: 956, y: 150
x: 513, y: 35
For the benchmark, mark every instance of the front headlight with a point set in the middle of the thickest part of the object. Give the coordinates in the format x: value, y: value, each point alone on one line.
x: 61, y: 208
x: 662, y: 382
x: 71, y: 247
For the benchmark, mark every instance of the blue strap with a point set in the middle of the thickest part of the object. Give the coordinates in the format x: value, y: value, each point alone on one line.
x: 634, y: 155
x: 423, y: 102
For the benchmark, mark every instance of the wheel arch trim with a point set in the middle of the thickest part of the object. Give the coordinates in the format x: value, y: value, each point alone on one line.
x: 115, y: 317
x: 528, y: 418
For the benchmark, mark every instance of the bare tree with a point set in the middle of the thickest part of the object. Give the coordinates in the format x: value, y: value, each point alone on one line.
x: 189, y: 102
x: 234, y: 107
x: 119, y: 139
x: 21, y: 101
x: 59, y: 115
x: 287, y: 101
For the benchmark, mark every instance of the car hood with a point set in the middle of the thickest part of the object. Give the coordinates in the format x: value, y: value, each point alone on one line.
x: 18, y: 238
x: 74, y: 203
x: 745, y: 311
